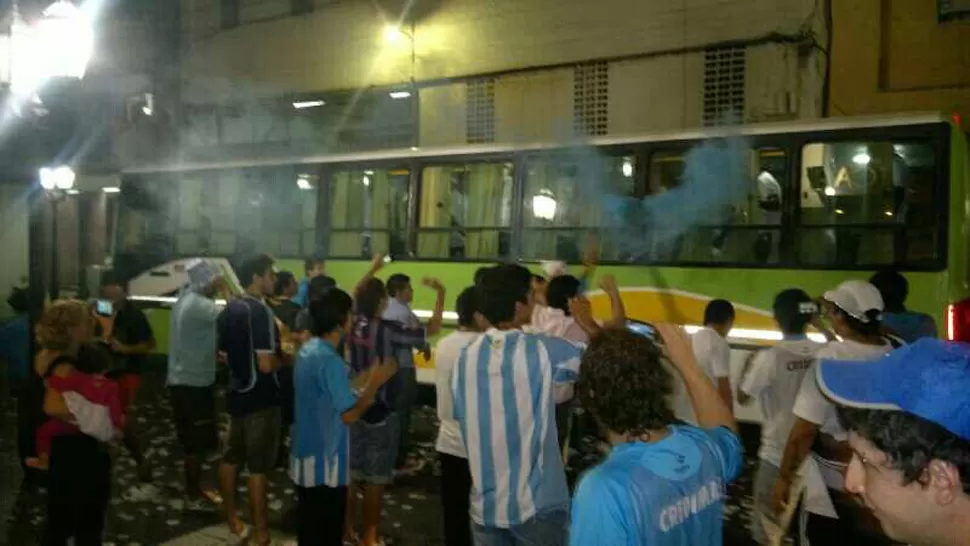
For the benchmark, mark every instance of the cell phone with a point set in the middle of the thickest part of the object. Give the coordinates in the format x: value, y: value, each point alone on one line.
x: 104, y: 308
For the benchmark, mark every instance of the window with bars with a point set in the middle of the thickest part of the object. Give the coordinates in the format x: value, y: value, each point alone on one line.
x: 591, y: 93
x: 724, y: 73
x: 480, y: 111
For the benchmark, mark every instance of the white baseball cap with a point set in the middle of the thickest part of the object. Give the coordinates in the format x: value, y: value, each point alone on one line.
x: 857, y: 298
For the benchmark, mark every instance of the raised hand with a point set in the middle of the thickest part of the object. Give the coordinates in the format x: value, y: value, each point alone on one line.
x: 378, y: 262
x: 433, y: 283
x: 608, y: 284
x: 677, y: 344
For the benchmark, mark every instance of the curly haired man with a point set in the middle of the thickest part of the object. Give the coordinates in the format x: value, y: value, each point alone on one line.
x: 663, y: 483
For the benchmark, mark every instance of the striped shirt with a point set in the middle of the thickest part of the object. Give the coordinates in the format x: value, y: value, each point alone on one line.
x: 373, y: 340
x: 320, y: 453
x: 506, y: 385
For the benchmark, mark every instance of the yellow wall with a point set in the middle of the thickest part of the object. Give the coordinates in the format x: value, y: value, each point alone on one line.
x: 893, y: 56
x: 341, y: 45
x: 533, y: 44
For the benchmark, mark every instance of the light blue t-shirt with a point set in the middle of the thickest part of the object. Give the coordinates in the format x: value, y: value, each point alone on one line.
x: 192, y: 341
x: 401, y: 313
x: 320, y: 454
x: 666, y: 493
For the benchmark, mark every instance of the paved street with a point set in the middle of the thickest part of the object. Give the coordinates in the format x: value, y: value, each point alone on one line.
x: 143, y: 515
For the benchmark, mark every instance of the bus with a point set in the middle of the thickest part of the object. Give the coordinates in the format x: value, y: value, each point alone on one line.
x: 822, y: 202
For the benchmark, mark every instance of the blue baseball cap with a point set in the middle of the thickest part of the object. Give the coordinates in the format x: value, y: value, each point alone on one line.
x: 929, y: 379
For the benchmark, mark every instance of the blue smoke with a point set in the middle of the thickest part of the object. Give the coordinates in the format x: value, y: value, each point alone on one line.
x: 716, y: 177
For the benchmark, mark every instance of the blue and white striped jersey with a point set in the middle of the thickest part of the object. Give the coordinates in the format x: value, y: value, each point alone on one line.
x: 320, y: 452
x: 506, y: 385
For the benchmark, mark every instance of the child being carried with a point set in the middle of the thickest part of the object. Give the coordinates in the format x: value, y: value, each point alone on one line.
x: 95, y: 405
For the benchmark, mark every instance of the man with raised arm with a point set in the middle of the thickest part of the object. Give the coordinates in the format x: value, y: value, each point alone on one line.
x: 663, y: 483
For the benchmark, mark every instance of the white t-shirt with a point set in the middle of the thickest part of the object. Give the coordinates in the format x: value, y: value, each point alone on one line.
x: 712, y: 352
x: 446, y: 356
x: 774, y: 379
x: 811, y: 405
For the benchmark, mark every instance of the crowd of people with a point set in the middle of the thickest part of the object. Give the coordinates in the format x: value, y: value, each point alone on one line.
x: 865, y: 438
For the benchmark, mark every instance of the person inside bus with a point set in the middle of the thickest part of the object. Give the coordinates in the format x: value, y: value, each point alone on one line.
x: 773, y: 377
x: 130, y: 339
x: 909, y: 431
x: 711, y: 348
x: 519, y: 493
x: 456, y: 478
x: 896, y: 319
x: 663, y: 483
x: 313, y: 267
x: 250, y: 338
x: 833, y: 516
x: 398, y: 310
x: 191, y: 374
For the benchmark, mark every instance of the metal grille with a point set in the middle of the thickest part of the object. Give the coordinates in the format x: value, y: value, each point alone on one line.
x: 591, y: 93
x: 480, y: 111
x: 724, y: 72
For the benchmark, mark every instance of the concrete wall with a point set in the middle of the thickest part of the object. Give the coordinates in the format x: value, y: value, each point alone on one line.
x: 654, y: 50
x: 894, y: 56
x: 342, y: 46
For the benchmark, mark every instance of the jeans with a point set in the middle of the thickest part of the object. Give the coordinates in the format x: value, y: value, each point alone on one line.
x: 409, y: 393
x: 763, y: 518
x: 544, y: 529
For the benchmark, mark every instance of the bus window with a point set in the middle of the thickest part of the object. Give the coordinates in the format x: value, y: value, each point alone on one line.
x: 566, y: 197
x: 748, y: 232
x: 145, y: 232
x: 368, y: 212
x: 867, y: 204
x: 465, y: 211
x: 243, y: 211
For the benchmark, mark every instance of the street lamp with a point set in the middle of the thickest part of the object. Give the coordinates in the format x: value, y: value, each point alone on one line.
x: 57, y: 182
x: 57, y: 178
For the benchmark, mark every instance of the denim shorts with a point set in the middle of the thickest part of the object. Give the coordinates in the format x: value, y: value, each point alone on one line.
x: 544, y: 529
x: 373, y: 450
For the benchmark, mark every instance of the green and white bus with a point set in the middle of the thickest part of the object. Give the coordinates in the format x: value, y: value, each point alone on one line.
x: 842, y: 198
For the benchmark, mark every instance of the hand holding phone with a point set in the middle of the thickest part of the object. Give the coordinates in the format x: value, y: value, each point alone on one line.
x: 104, y: 308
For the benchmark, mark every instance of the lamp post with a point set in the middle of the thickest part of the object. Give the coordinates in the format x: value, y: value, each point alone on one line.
x: 56, y: 183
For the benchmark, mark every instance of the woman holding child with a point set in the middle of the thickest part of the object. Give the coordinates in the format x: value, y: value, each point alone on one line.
x: 79, y: 466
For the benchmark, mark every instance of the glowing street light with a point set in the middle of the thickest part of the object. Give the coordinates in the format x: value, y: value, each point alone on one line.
x: 57, y: 178
x: 394, y: 34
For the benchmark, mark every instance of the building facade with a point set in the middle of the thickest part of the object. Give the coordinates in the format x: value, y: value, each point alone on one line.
x: 451, y: 72
x: 895, y: 56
